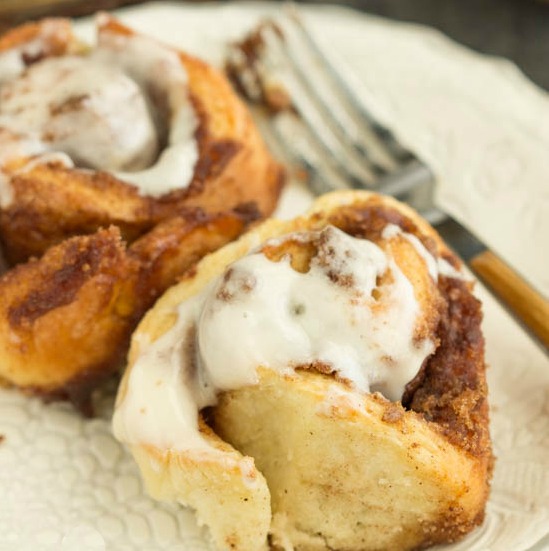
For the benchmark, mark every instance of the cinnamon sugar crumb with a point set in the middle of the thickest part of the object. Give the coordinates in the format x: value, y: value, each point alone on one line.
x: 393, y: 413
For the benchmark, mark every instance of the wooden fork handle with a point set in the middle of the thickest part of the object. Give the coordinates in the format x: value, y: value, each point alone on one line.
x: 529, y: 306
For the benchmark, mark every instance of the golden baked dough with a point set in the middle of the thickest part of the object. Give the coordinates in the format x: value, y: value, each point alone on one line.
x: 66, y: 318
x: 78, y: 125
x: 50, y: 37
x: 45, y: 201
x: 302, y: 458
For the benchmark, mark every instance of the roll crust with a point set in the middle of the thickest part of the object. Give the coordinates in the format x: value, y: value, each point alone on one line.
x: 344, y: 469
x: 92, y: 252
x: 51, y: 202
x: 66, y: 318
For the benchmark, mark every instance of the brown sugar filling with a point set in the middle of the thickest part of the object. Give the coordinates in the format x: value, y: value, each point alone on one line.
x: 450, y: 389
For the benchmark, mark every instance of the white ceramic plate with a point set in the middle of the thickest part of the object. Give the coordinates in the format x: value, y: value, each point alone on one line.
x: 66, y: 484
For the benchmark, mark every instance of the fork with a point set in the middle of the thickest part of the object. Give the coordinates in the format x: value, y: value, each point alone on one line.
x: 317, y: 125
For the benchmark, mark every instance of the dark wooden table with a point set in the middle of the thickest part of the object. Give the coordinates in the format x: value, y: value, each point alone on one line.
x: 516, y: 29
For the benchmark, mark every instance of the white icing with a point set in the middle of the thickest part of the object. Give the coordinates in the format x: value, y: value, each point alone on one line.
x: 90, y: 110
x: 160, y: 69
x: 176, y: 163
x: 56, y: 157
x: 11, y: 64
x: 436, y: 266
x: 159, y: 398
x: 447, y: 270
x: 108, y: 110
x: 262, y: 313
x: 13, y: 145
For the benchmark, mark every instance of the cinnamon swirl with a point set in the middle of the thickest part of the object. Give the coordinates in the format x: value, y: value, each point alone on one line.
x: 120, y: 166
x: 318, y: 384
x: 128, y: 132
x: 66, y: 318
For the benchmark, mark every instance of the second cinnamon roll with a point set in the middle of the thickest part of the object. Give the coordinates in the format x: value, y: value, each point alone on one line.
x: 128, y: 132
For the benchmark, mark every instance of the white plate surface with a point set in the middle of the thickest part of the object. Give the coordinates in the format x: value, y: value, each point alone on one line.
x: 66, y: 484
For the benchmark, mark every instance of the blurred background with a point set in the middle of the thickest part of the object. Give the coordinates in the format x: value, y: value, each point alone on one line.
x: 515, y: 29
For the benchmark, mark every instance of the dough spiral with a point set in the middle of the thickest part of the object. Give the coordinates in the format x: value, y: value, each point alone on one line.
x: 319, y: 384
x: 129, y: 133
x: 121, y: 165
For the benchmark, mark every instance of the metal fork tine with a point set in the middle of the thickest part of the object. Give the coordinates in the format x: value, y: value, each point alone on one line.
x: 408, y: 179
x: 385, y: 139
x: 333, y: 110
x: 301, y: 125
x: 286, y: 138
x: 294, y: 142
x: 296, y: 149
x: 359, y: 168
x: 289, y: 139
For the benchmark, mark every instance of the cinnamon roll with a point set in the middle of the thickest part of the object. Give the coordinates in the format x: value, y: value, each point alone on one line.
x: 129, y: 132
x: 120, y: 166
x: 318, y: 384
x: 66, y: 318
